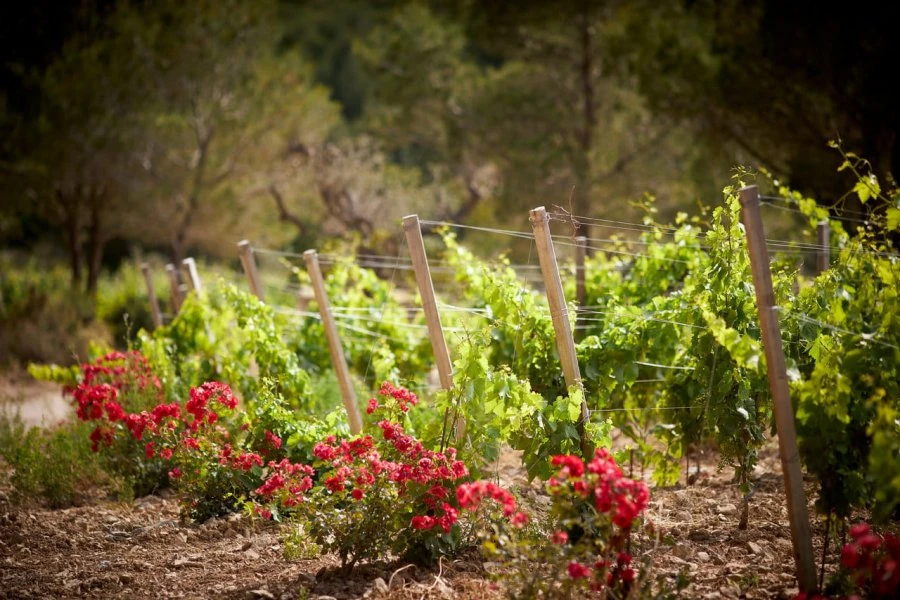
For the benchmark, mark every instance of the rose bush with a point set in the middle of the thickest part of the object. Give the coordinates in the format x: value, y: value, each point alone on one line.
x: 372, y: 495
x: 594, y: 508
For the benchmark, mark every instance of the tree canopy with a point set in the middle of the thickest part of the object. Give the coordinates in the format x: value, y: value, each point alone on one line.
x: 184, y: 126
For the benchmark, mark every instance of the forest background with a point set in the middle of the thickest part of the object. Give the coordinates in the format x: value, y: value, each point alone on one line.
x: 169, y: 129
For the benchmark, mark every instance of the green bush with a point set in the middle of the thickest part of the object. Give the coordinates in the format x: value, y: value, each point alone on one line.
x: 122, y: 302
x: 55, y: 466
x: 41, y: 318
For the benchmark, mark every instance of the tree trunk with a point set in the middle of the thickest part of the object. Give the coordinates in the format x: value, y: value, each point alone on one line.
x: 70, y: 216
x: 582, y: 195
x: 179, y: 242
x: 96, y: 242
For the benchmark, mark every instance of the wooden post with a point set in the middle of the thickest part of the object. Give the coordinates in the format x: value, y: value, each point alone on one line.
x: 426, y: 290
x: 823, y: 258
x: 778, y: 384
x: 432, y: 316
x: 175, y: 285
x: 249, y: 264
x: 155, y: 313
x: 559, y: 312
x: 334, y: 342
x: 191, y: 275
x: 580, y: 291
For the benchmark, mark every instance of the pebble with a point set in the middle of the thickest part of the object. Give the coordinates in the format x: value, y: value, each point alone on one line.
x: 703, y: 556
x: 380, y: 585
x: 726, y: 509
x: 729, y: 591
x: 683, y: 551
x: 754, y: 548
x: 698, y: 535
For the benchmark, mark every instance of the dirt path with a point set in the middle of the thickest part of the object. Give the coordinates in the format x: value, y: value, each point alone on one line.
x: 39, y: 403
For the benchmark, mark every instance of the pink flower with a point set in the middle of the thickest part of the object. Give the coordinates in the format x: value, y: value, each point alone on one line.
x: 422, y: 522
x: 859, y: 530
x: 850, y: 556
x: 869, y: 541
x: 324, y: 452
x: 334, y: 484
x: 114, y: 411
x: 559, y: 537
x: 273, y: 439
x: 578, y: 570
x: 162, y: 411
x: 571, y: 465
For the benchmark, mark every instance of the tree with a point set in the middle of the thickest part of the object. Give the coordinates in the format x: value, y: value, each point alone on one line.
x: 75, y: 163
x: 526, y: 92
x: 222, y: 105
x: 775, y: 81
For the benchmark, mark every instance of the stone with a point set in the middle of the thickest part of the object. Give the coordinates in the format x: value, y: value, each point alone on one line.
x: 380, y: 585
x: 726, y: 509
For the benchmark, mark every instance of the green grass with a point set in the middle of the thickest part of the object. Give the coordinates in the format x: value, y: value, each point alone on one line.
x: 54, y: 467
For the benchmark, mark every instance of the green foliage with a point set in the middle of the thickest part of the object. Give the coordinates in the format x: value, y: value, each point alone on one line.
x: 41, y: 318
x: 298, y: 544
x: 520, y: 329
x: 847, y: 398
x: 274, y: 414
x: 54, y: 465
x: 228, y: 335
x: 379, y: 341
x: 122, y: 303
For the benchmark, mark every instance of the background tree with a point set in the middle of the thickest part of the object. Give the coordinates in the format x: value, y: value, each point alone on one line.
x: 75, y: 170
x: 220, y: 114
x: 772, y: 82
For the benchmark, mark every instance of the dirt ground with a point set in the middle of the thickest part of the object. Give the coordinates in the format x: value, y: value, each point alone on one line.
x: 142, y: 550
x: 39, y: 403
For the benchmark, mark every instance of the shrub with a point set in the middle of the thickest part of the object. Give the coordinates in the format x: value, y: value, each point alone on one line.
x: 54, y: 466
x: 593, y: 509
x: 372, y: 495
x: 42, y: 318
x: 870, y: 564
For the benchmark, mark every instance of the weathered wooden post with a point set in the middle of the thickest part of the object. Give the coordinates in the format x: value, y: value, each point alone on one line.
x: 175, y: 286
x: 432, y: 317
x: 155, y: 313
x: 559, y: 314
x: 192, y: 276
x: 249, y: 263
x: 798, y: 513
x: 334, y: 342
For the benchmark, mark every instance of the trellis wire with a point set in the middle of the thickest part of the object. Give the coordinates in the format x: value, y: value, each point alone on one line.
x: 869, y: 337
